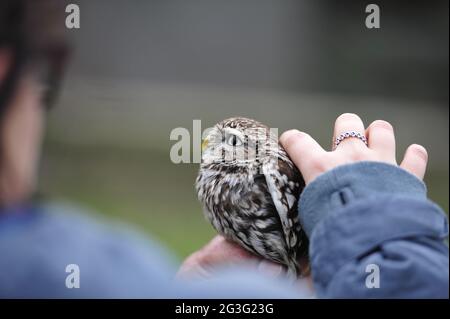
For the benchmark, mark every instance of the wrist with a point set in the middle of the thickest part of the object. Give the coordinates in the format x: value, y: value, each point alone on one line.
x: 351, y: 183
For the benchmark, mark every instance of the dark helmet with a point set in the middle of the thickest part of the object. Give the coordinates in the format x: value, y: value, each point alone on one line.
x: 34, y: 32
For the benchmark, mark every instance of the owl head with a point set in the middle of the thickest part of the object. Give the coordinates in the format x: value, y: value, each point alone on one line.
x: 239, y: 141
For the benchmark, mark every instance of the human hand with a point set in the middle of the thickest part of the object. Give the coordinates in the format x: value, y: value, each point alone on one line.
x: 220, y: 252
x: 312, y: 160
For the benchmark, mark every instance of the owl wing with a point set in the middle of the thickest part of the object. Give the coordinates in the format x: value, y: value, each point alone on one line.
x: 284, y: 184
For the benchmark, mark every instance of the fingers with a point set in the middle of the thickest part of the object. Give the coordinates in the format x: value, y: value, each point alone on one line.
x: 345, y: 123
x: 415, y: 160
x: 381, y: 138
x: 218, y: 252
x: 301, y: 147
x: 312, y: 159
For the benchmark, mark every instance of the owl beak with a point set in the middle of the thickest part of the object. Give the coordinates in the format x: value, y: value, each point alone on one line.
x: 205, y: 144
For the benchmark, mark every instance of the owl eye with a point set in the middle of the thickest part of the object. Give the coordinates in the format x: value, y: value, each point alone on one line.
x: 233, y: 140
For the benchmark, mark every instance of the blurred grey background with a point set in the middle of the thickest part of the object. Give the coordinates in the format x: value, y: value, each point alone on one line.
x: 143, y: 68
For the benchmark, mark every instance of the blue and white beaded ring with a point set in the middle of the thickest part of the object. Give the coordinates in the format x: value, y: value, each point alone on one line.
x: 349, y: 134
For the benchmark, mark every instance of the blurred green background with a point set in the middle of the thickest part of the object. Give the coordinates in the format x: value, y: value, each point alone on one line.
x: 143, y: 68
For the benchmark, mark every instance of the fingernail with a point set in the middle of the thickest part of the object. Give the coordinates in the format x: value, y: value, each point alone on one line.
x: 270, y: 268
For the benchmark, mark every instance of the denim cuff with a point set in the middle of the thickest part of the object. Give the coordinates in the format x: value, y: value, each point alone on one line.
x: 393, y: 231
x: 351, y: 183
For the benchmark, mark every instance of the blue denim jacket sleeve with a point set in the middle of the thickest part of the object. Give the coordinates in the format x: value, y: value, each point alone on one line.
x: 38, y: 243
x: 374, y: 234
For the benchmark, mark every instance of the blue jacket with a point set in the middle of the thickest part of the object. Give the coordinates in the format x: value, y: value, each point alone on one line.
x: 372, y: 233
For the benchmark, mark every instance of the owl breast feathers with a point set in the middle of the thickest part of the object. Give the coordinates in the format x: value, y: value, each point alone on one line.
x: 250, y: 188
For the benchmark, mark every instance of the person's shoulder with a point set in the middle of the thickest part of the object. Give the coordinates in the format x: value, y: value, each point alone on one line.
x: 85, y: 224
x: 113, y: 259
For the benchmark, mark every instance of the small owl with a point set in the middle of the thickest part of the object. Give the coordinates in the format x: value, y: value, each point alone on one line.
x: 249, y: 189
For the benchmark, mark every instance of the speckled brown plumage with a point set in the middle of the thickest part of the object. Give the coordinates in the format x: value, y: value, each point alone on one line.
x: 250, y: 188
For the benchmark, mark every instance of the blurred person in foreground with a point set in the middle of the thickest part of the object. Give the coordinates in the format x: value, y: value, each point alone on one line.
x: 359, y: 207
x: 44, y: 245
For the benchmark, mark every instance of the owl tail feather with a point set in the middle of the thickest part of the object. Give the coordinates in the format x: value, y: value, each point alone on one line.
x: 296, y: 269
